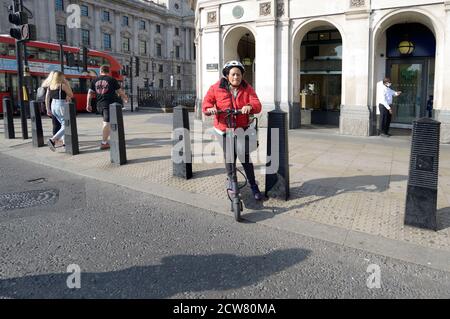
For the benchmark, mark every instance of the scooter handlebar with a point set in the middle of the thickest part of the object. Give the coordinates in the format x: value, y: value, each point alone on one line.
x: 228, y: 111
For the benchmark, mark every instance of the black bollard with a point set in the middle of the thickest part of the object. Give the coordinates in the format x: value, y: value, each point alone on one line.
x: 421, y: 196
x: 36, y: 124
x: 8, y: 119
x: 70, y: 130
x: 181, y: 150
x: 118, y: 150
x: 277, y: 167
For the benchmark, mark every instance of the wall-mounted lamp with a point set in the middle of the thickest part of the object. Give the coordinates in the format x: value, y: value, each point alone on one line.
x: 406, y: 47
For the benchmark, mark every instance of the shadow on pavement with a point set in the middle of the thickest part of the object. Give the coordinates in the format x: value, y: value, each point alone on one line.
x: 443, y: 218
x: 209, y: 173
x: 323, y: 188
x: 147, y: 142
x: 148, y: 159
x: 176, y: 274
x: 87, y: 147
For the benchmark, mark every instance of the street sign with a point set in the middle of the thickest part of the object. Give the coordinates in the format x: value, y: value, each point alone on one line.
x: 212, y: 67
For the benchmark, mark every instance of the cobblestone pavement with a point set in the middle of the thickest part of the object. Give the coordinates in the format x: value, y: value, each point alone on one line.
x: 349, y: 182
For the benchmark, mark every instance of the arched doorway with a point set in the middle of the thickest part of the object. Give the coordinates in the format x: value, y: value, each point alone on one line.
x: 410, y: 52
x: 407, y: 56
x: 239, y: 44
x: 317, y: 83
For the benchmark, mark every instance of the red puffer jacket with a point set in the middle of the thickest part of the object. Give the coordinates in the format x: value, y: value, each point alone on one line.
x: 218, y: 95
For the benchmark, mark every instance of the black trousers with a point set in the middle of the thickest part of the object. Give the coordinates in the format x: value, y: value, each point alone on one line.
x: 245, y: 161
x: 385, y: 119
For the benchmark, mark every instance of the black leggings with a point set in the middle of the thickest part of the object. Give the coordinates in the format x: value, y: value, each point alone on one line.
x: 246, y: 162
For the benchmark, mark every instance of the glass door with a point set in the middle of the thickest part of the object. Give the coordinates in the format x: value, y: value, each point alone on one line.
x: 408, y: 76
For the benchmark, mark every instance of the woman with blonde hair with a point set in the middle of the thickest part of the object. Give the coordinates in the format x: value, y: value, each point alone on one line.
x: 59, y: 92
x: 46, y: 83
x: 41, y: 97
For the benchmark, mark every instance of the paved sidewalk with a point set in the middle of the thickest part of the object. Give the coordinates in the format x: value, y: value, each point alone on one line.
x: 347, y: 190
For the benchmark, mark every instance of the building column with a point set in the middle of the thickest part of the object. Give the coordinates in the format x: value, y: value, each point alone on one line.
x: 283, y: 84
x: 210, y: 55
x: 442, y: 87
x: 266, y: 67
x: 185, y: 44
x: 355, y: 113
x: 40, y: 11
x: 198, y: 71
x: 170, y: 33
x: 151, y: 35
x: 135, y: 32
x: 52, y: 21
x: 134, y: 23
x: 97, y: 41
x: 117, y: 47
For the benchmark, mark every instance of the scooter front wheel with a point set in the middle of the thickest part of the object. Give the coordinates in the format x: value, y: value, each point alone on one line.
x: 237, y: 208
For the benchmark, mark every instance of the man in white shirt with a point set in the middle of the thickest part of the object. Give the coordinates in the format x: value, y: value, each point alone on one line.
x: 384, y: 101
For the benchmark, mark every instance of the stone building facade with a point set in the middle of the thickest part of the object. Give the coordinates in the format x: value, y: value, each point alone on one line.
x: 161, y: 33
x: 323, y: 59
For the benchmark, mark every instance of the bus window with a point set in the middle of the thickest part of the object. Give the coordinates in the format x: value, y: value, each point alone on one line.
x: 50, y: 55
x: 94, y: 61
x: 32, y: 53
x: 4, y: 49
x: 7, y: 49
x: 97, y: 61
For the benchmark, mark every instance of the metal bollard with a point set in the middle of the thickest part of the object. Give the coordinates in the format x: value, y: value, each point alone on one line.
x: 36, y: 125
x: 277, y: 183
x: 8, y: 119
x: 70, y: 130
x: 181, y: 150
x: 118, y: 152
x: 421, y: 196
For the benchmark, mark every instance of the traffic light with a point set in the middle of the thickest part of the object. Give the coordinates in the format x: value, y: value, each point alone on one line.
x: 24, y: 31
x: 29, y: 32
x: 137, y: 66
x: 18, y: 18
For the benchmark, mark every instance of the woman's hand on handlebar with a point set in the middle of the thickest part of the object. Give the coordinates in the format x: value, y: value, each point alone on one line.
x: 246, y: 109
x: 211, y: 111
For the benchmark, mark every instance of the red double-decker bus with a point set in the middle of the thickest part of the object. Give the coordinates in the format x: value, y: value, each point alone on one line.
x: 43, y: 58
